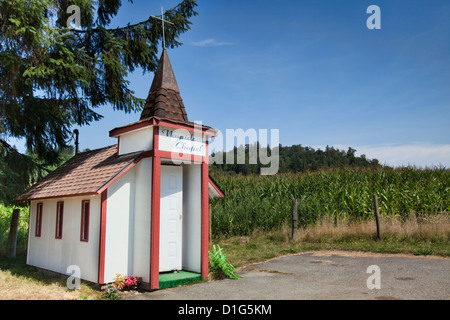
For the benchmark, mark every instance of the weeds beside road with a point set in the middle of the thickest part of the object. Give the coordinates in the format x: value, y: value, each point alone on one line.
x: 427, y: 237
x: 21, y: 282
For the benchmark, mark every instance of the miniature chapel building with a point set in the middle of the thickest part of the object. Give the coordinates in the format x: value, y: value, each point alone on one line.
x: 139, y: 208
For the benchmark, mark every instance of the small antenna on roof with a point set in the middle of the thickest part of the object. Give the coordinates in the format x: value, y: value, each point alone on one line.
x: 162, y: 19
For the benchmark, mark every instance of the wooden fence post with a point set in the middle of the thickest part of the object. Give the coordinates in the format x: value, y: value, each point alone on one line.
x: 210, y: 224
x: 294, y: 219
x: 12, y: 240
x: 377, y: 216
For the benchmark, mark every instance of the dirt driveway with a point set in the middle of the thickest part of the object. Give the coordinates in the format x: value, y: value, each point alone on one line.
x: 326, y: 275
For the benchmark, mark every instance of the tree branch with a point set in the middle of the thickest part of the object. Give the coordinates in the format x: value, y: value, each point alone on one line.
x: 114, y: 29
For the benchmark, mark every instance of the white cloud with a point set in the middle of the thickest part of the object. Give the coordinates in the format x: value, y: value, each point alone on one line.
x: 211, y: 43
x: 415, y: 154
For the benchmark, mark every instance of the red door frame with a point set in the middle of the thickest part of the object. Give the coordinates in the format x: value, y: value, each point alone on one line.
x: 155, y: 214
x: 155, y: 207
x: 156, y: 155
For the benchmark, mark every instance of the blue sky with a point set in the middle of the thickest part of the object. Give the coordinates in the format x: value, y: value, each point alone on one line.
x: 313, y: 70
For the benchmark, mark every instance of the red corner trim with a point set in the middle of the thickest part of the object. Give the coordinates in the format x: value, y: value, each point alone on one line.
x: 216, y: 187
x: 159, y: 122
x: 101, y: 259
x: 205, y: 217
x: 134, y: 126
x: 155, y: 214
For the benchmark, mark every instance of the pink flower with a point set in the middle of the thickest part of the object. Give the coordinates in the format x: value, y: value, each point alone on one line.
x: 130, y: 281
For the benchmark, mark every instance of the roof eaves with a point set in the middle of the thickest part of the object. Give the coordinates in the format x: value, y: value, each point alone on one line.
x: 216, y: 187
x: 48, y: 187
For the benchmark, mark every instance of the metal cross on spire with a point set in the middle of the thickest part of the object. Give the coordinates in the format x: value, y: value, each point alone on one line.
x: 162, y: 19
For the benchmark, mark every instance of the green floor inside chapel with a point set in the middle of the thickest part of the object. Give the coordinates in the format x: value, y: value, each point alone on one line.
x: 175, y: 279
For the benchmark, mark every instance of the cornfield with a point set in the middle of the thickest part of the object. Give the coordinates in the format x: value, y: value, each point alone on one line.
x: 264, y: 202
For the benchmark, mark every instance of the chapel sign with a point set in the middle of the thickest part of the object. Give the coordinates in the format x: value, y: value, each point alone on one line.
x: 181, y: 141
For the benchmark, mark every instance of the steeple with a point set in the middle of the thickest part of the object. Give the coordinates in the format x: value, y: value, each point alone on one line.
x: 164, y: 100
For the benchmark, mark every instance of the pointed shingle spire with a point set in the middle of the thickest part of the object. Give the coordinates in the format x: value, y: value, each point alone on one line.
x: 164, y: 100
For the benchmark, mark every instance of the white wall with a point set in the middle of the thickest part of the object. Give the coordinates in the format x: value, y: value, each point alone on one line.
x: 138, y: 140
x: 142, y: 219
x: 128, y: 226
x: 192, y: 217
x: 57, y: 254
x: 128, y: 217
x: 119, y: 227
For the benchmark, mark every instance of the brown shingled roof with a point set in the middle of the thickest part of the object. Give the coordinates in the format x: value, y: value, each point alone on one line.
x: 164, y: 100
x: 83, y: 174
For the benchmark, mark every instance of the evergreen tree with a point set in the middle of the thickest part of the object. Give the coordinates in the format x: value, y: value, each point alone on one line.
x: 53, y: 76
x: 295, y: 159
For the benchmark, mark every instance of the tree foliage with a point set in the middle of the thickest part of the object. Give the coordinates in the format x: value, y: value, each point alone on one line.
x: 291, y: 159
x: 53, y: 77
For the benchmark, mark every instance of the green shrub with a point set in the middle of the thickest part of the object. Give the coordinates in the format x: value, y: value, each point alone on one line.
x: 219, y: 266
x: 111, y: 293
x: 5, y: 223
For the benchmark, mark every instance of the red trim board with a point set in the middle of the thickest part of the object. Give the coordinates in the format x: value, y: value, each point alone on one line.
x: 85, y: 220
x: 163, y: 123
x: 179, y: 156
x: 216, y: 187
x: 190, y: 128
x: 28, y: 233
x: 59, y: 219
x: 131, y: 127
x: 64, y: 196
x: 102, y: 246
x: 38, y: 222
x: 155, y: 214
x: 205, y: 215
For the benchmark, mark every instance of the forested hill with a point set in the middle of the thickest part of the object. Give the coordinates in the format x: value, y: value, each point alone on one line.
x: 294, y: 158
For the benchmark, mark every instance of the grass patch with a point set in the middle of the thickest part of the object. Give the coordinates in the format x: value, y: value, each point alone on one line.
x: 413, y: 236
x: 417, y: 236
x: 21, y: 282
